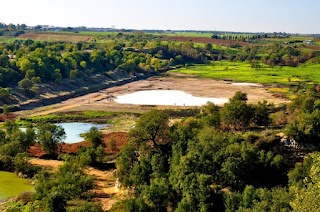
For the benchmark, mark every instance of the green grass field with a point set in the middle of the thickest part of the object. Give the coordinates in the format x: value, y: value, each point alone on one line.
x: 11, y: 185
x: 242, y: 72
x: 80, y: 116
x: 7, y: 40
x: 184, y: 34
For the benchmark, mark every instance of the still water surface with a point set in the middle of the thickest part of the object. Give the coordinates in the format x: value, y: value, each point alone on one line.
x: 74, y: 129
x: 167, y: 97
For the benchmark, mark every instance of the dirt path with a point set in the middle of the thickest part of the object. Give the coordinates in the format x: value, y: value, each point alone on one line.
x: 105, y: 181
x: 52, y: 164
x: 59, y: 109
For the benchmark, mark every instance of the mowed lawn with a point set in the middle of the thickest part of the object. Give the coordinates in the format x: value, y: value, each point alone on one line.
x: 242, y: 72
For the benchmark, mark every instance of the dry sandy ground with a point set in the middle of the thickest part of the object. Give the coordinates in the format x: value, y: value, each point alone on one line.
x: 105, y: 182
x: 104, y: 99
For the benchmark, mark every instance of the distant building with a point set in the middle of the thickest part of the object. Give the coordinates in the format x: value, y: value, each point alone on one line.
x: 309, y: 42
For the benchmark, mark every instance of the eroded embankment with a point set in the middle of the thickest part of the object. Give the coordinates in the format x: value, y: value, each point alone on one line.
x: 52, y: 93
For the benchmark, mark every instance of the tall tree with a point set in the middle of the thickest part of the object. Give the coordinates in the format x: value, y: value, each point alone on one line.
x: 49, y: 136
x: 152, y: 127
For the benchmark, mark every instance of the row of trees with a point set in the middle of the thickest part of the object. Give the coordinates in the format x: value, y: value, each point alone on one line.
x: 31, y: 62
x: 12, y: 29
x: 240, y: 37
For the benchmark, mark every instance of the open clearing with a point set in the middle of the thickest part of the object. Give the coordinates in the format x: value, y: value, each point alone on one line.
x: 243, y: 72
x: 104, y: 99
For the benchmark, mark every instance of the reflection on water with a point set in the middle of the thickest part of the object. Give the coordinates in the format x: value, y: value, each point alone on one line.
x: 74, y: 129
x: 167, y: 97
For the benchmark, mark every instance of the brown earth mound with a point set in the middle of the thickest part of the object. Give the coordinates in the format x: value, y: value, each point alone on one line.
x: 10, y: 117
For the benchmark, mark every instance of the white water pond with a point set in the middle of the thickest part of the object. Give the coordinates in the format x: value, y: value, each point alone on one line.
x: 167, y: 97
x: 75, y: 129
x: 246, y: 84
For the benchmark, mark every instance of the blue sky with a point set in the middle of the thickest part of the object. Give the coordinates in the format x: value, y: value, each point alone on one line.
x: 223, y: 15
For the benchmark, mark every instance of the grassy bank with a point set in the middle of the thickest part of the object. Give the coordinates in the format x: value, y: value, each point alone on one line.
x: 92, y: 116
x: 11, y: 185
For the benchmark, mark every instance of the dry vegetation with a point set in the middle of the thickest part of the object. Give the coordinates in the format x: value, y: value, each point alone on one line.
x: 74, y: 38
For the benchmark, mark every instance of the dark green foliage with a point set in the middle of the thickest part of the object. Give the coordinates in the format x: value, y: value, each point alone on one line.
x: 31, y: 62
x: 156, y: 195
x: 305, y: 127
x: 7, y: 109
x: 86, y: 207
x: 261, y: 114
x: 49, y: 136
x: 301, y: 173
x: 191, y: 175
x: 25, y: 84
x: 239, y: 96
x: 91, y: 155
x: 56, y: 202
x: 10, y: 127
x: 10, y: 149
x: 237, y: 114
x: 132, y: 204
x: 252, y: 199
x: 94, y: 136
x: 14, y: 144
x: 151, y: 127
x: 24, y: 138
x: 208, y: 46
x: 69, y: 182
x: 306, y: 196
x: 125, y: 163
x: 22, y: 165
x: 211, y: 115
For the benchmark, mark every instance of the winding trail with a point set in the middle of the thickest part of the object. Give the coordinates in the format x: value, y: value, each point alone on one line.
x: 105, y: 181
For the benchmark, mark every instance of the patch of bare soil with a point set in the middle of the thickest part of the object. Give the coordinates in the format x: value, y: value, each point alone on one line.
x: 105, y: 189
x: 105, y: 99
x: 51, y: 164
x: 10, y: 116
x: 121, y: 139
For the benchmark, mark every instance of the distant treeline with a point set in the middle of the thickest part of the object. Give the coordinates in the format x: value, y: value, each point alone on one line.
x: 11, y: 29
x: 27, y: 62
